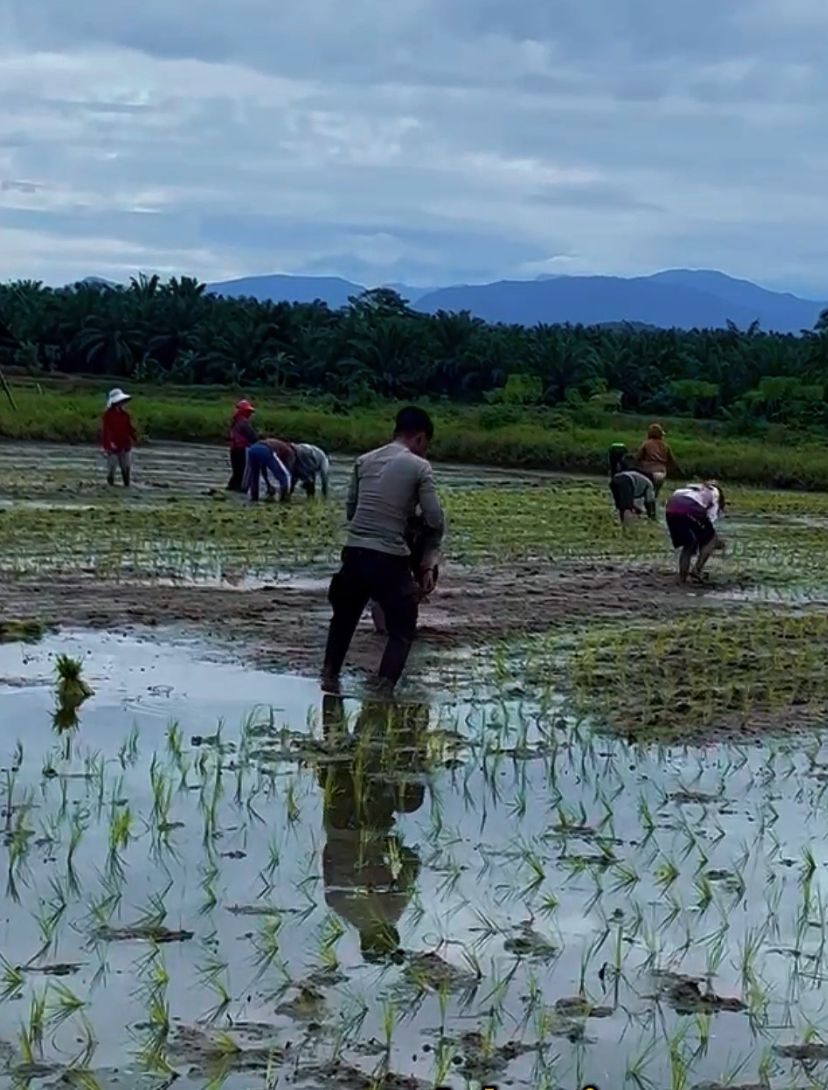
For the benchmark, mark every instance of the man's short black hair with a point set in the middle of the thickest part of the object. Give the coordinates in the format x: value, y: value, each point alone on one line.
x: 412, y: 421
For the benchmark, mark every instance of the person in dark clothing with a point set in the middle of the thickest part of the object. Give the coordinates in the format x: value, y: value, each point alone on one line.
x: 424, y: 546
x: 242, y: 437
x: 633, y: 492
x: 386, y: 488
x: 616, y: 455
x: 368, y: 872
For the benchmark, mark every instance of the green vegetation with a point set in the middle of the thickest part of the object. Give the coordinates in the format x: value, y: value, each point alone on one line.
x: 537, y: 439
x: 70, y: 678
x: 378, y: 348
x: 669, y: 679
x: 776, y: 539
x: 22, y: 630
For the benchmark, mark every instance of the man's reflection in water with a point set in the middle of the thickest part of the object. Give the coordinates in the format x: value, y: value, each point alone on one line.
x: 369, y: 874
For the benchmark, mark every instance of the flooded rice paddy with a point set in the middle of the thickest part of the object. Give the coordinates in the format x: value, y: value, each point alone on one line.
x: 584, y: 847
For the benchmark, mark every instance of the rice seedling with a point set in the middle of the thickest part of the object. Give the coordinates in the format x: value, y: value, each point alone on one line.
x: 120, y: 834
x: 62, y: 1004
x: 213, y: 974
x: 71, y: 684
x: 12, y: 980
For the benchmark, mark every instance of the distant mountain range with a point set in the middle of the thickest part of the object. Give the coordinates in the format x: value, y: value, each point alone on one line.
x: 676, y: 298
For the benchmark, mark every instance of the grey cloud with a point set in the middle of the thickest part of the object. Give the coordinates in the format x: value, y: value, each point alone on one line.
x: 7, y: 185
x: 595, y: 196
x: 417, y: 138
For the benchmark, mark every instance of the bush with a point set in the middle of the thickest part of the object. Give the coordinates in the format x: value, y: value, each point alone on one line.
x: 503, y: 435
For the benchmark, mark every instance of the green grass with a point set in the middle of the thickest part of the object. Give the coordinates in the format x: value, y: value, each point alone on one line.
x: 22, y: 630
x: 473, y: 434
x: 661, y: 681
x: 666, y: 679
x: 776, y: 539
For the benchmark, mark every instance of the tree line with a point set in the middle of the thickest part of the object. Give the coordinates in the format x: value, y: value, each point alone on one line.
x: 377, y: 347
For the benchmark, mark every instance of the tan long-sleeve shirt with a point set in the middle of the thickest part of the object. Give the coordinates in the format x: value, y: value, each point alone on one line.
x: 386, y: 486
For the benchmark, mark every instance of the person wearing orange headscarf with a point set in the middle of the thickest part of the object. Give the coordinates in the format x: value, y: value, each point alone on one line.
x: 656, y: 458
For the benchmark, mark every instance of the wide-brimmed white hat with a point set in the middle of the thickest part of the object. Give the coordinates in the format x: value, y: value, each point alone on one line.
x: 116, y: 397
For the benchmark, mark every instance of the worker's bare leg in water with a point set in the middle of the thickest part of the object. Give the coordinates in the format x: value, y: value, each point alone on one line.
x: 685, y: 560
x: 705, y: 553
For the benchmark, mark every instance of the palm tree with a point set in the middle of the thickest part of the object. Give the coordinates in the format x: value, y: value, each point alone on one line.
x: 107, y: 348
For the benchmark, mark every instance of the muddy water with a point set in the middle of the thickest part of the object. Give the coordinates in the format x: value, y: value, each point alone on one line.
x: 70, y: 474
x: 524, y: 861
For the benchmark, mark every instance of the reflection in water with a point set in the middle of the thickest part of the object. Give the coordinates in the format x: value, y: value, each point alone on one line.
x: 72, y: 691
x: 369, y: 874
x: 65, y: 717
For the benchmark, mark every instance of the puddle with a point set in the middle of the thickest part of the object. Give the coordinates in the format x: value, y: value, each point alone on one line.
x: 784, y: 596
x: 460, y: 891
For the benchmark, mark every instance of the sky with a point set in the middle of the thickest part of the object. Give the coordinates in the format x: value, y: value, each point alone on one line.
x: 422, y: 141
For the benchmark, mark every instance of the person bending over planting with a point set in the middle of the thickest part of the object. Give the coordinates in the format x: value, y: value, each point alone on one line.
x: 633, y: 492
x: 264, y: 459
x: 286, y: 453
x: 387, y: 486
x: 118, y: 437
x: 311, y: 462
x: 692, y: 514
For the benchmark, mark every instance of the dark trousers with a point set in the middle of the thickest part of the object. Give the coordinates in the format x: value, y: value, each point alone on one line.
x: 238, y: 461
x: 367, y: 575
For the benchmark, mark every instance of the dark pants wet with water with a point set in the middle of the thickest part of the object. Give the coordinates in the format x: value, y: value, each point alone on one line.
x: 367, y: 575
x: 238, y: 462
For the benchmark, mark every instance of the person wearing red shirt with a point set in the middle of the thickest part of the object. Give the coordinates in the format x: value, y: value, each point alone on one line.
x: 242, y: 437
x: 118, y: 437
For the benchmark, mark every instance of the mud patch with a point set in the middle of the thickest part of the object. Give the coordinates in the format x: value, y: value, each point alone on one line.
x: 478, y: 1059
x: 429, y: 972
x: 142, y: 933
x: 529, y: 944
x: 58, y: 969
x: 247, y: 1047
x: 308, y: 1005
x: 577, y: 1006
x: 285, y: 628
x: 807, y: 1053
x: 338, y: 1073
x: 685, y: 996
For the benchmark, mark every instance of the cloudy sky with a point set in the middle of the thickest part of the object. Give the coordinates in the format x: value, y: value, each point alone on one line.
x: 428, y: 141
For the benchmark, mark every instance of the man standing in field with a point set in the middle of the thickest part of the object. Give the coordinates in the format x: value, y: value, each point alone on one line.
x: 118, y: 437
x: 242, y: 437
x: 386, y: 487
